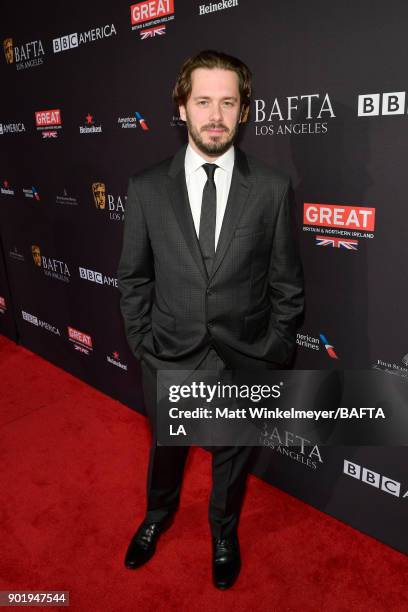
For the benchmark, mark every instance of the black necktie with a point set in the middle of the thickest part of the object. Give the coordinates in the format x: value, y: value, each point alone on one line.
x: 206, y: 235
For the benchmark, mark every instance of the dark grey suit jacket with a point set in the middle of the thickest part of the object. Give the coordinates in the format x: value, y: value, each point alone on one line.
x: 247, y: 308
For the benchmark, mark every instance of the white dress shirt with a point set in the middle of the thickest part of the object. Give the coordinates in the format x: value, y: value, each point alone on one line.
x: 196, y: 178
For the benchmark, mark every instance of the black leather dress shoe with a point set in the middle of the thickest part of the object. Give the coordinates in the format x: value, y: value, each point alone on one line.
x: 226, y: 561
x: 143, y: 544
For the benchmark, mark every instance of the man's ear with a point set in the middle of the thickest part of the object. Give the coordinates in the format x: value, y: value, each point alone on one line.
x: 182, y: 111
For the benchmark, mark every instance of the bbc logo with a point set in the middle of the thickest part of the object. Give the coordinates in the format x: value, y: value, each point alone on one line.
x: 65, y: 42
x: 372, y: 478
x: 29, y: 317
x: 91, y: 275
x: 370, y: 105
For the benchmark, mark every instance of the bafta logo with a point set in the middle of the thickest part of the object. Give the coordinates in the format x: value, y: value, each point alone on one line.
x: 8, y: 50
x: 35, y: 250
x: 98, y: 190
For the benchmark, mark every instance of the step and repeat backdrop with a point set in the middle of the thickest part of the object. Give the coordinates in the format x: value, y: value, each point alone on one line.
x: 86, y: 102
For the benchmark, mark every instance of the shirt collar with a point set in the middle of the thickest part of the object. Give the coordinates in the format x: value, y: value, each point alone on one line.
x: 193, y: 160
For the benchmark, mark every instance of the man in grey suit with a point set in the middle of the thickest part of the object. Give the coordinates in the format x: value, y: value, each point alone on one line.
x: 210, y: 278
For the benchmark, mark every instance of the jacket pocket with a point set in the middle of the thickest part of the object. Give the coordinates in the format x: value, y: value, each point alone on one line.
x: 256, y: 323
x: 249, y: 230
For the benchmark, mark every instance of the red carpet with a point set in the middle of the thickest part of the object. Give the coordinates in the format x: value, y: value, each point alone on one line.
x: 73, y: 464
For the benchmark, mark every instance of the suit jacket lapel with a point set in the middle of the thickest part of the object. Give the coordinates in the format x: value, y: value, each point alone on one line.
x: 237, y: 197
x: 182, y: 210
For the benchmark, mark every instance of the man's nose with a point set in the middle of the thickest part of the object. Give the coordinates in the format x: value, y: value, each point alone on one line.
x: 215, y: 112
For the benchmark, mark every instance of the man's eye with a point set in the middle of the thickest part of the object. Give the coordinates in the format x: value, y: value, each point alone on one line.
x: 202, y: 102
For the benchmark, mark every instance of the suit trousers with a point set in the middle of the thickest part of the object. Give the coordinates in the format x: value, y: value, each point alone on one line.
x: 230, y: 466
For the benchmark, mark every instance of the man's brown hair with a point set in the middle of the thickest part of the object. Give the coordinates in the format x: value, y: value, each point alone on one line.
x: 214, y: 59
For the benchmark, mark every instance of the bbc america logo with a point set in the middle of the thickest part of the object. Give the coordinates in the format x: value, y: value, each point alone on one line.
x: 71, y: 41
x: 384, y: 483
x: 392, y: 103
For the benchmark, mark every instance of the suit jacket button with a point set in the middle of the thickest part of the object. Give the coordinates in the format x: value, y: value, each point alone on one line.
x: 209, y: 291
x: 210, y: 324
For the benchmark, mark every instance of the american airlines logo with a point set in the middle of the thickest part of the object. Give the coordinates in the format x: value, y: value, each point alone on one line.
x: 379, y: 481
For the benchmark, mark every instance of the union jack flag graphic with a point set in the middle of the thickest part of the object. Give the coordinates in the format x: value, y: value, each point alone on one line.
x: 329, y: 347
x: 49, y: 134
x: 149, y: 33
x: 339, y: 243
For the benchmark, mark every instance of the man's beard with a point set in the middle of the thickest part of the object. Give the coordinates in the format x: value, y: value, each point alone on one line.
x: 216, y: 146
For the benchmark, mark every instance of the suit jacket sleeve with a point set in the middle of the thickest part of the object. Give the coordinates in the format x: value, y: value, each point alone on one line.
x: 135, y: 273
x: 285, y: 277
